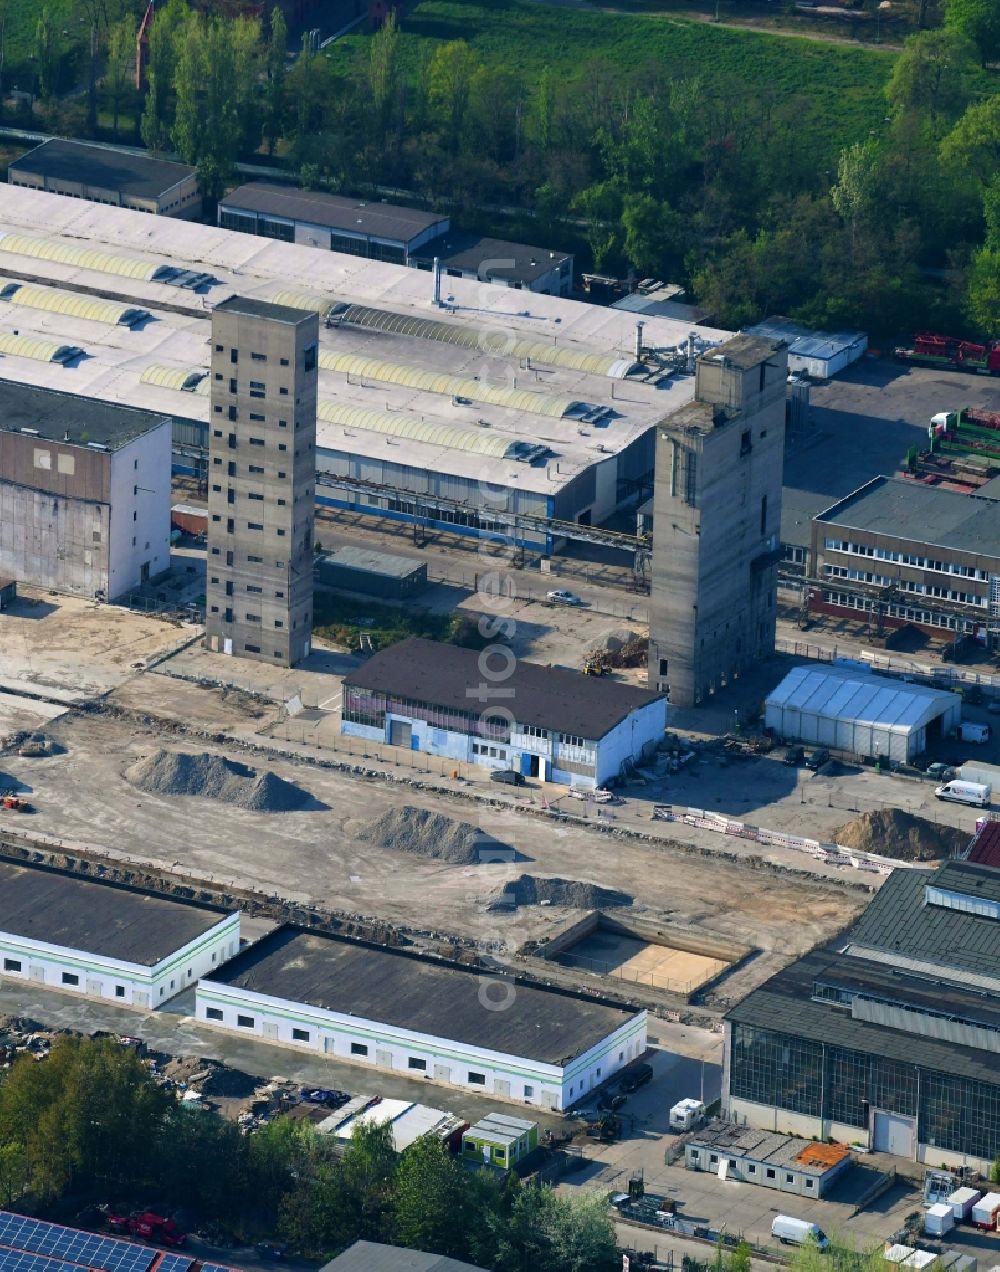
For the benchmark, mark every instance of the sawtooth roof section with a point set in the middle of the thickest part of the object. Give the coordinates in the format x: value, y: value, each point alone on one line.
x: 71, y: 304
x: 82, y: 255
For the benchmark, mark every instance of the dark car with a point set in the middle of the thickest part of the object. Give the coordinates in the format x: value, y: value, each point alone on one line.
x: 507, y: 777
x: 818, y: 759
x: 636, y: 1077
x: 793, y: 755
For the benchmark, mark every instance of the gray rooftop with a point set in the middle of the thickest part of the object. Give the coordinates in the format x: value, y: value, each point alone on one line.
x: 249, y: 307
x: 762, y: 1146
x: 369, y: 1256
x: 370, y: 218
x: 69, y: 418
x: 103, y: 919
x: 899, y: 922
x: 501, y: 1129
x: 971, y: 880
x: 422, y: 994
x: 744, y: 351
x: 373, y: 562
x: 472, y: 252
x: 928, y: 515
x: 803, y: 341
x: 139, y: 175
x: 549, y: 697
x: 784, y: 1004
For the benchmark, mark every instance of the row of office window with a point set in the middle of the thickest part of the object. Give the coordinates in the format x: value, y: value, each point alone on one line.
x: 905, y: 585
x: 905, y: 558
x: 927, y: 618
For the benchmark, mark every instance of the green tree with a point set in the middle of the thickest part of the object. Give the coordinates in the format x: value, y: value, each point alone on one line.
x: 369, y: 1169
x: 119, y: 77
x: 932, y: 78
x: 449, y: 84
x: 383, y: 69
x: 157, y: 117
x: 857, y: 184
x: 275, y: 102
x: 973, y: 145
x: 600, y: 204
x: 13, y: 1171
x: 983, y: 291
x: 978, y: 21
x: 431, y: 1209
x: 995, y: 1171
x: 651, y: 233
x: 48, y: 56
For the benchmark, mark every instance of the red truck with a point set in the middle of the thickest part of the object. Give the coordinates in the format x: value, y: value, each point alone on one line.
x: 951, y: 352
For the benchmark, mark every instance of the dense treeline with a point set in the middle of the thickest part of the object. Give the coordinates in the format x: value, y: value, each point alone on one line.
x: 89, y: 1123
x: 673, y: 171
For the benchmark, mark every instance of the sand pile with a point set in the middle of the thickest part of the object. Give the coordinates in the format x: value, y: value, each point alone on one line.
x: 528, y: 890
x: 890, y: 832
x: 214, y: 777
x: 409, y: 829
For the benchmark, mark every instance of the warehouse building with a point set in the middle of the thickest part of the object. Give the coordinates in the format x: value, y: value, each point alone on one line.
x: 397, y: 1010
x: 84, y: 170
x: 910, y: 553
x: 891, y: 1038
x: 104, y: 940
x: 819, y: 354
x: 384, y: 574
x: 84, y: 492
x: 372, y: 229
x: 499, y: 711
x: 488, y: 260
x: 717, y: 513
x: 781, y: 1162
x: 478, y: 415
x: 846, y: 709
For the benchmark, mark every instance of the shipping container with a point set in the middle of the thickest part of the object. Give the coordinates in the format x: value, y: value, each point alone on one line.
x: 961, y: 1201
x: 985, y: 1211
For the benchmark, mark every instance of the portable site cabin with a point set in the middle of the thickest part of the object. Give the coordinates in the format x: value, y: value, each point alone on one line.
x: 860, y: 713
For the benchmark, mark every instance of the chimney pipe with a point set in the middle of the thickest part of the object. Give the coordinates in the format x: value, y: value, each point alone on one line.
x: 437, y: 282
x: 691, y: 338
x: 638, y: 341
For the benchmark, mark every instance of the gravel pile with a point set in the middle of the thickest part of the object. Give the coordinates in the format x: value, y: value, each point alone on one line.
x: 214, y: 777
x: 892, y: 833
x: 409, y: 829
x: 529, y: 890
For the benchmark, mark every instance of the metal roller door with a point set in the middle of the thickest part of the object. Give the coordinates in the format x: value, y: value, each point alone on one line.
x: 893, y: 1133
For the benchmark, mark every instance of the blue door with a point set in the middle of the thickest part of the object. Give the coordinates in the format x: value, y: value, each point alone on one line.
x: 526, y: 759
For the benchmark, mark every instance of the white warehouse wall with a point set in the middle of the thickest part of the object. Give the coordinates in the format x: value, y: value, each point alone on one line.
x: 140, y: 509
x: 46, y: 965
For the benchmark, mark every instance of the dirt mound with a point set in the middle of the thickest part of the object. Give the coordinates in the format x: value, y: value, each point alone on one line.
x: 528, y: 890
x: 890, y: 832
x: 409, y: 829
x: 214, y: 777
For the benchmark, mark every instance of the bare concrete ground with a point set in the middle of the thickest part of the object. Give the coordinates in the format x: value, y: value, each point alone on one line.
x: 83, y: 799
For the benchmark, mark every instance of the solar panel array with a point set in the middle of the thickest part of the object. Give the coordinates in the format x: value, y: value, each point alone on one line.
x: 22, y: 1261
x: 174, y: 1263
x: 19, y: 1234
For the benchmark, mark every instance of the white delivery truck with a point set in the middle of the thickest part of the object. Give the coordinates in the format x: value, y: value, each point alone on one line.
x: 791, y: 1231
x: 971, y: 731
x: 976, y: 794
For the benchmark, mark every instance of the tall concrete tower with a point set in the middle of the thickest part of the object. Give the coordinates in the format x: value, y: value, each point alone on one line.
x: 716, y: 522
x: 262, y: 481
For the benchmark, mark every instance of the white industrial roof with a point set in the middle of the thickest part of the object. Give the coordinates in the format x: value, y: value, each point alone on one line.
x: 844, y: 694
x: 408, y: 1121
x: 122, y: 254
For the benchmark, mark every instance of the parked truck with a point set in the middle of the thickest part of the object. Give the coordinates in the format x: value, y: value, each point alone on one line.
x: 950, y: 352
x: 972, y: 731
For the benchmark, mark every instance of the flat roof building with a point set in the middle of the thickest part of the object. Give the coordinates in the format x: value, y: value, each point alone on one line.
x: 106, y: 940
x: 84, y: 492
x: 354, y: 569
x: 370, y: 228
x: 102, y: 174
x: 889, y: 1038
x: 820, y: 354
x: 488, y: 260
x: 399, y: 1010
x: 903, y: 552
x: 545, y: 722
x: 372, y: 1256
x: 767, y: 1159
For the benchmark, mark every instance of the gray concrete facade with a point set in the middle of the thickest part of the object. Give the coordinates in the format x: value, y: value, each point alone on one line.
x: 717, y: 514
x: 262, y: 481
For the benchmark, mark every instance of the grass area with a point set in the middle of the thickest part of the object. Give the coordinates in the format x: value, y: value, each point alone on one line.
x: 838, y: 87
x: 342, y: 620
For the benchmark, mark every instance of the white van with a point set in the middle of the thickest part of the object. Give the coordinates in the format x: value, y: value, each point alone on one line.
x: 977, y: 794
x: 972, y: 731
x: 791, y: 1231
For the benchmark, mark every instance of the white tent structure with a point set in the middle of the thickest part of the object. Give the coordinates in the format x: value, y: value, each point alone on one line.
x: 864, y: 714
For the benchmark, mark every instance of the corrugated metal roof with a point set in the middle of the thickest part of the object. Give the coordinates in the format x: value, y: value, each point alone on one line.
x: 34, y: 347
x: 986, y: 846
x: 450, y: 385
x: 186, y: 379
x: 81, y: 254
x: 71, y: 304
x: 416, y: 429
x: 803, y: 342
x: 852, y: 695
x: 466, y: 335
